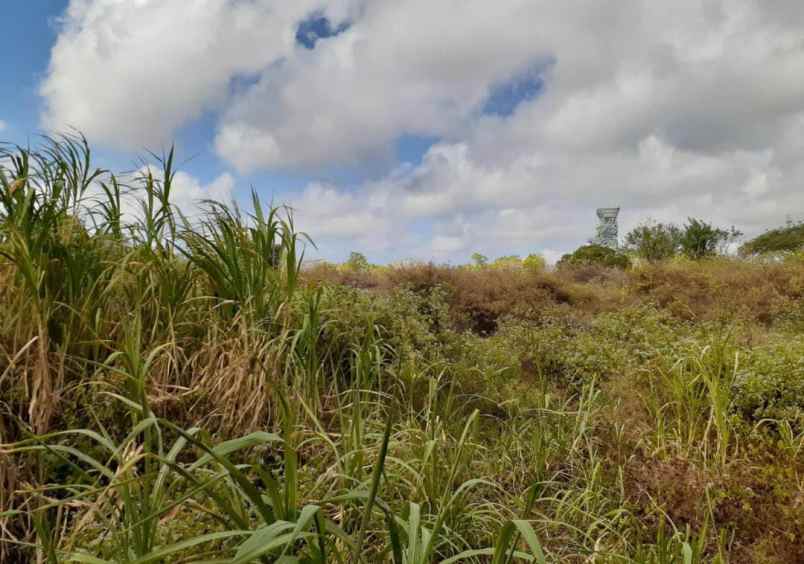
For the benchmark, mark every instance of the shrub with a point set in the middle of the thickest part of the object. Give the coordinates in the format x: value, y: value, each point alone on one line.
x: 788, y: 239
x: 654, y: 242
x: 700, y: 239
x: 771, y: 384
x: 508, y: 261
x: 595, y: 255
x: 560, y: 353
x: 479, y: 259
x: 534, y: 262
x: 357, y: 262
x: 723, y: 288
x: 479, y: 298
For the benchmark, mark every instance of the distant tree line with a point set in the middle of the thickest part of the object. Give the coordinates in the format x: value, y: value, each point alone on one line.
x: 651, y: 241
x: 696, y: 239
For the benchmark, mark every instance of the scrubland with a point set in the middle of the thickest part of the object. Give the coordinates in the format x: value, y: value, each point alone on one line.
x: 185, y: 390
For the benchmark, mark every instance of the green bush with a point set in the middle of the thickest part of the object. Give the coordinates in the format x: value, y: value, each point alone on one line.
x: 700, y: 239
x: 770, y: 385
x: 788, y: 239
x: 508, y: 261
x: 654, y: 242
x: 595, y: 255
x: 479, y: 259
x: 534, y: 262
x: 357, y: 262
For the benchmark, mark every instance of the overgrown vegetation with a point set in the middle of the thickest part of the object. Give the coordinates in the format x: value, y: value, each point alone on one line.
x: 184, y: 391
x: 595, y: 255
x: 696, y: 239
x: 787, y: 239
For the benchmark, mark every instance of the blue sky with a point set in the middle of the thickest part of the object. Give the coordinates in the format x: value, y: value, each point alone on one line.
x: 25, y: 45
x: 425, y: 130
x: 25, y: 55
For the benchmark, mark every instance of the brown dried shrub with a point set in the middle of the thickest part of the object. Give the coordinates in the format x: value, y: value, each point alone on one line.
x: 755, y: 501
x: 477, y: 297
x: 721, y: 288
x: 327, y: 272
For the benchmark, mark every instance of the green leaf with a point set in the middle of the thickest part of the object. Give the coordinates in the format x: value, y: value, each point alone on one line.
x: 160, y: 553
x: 261, y: 537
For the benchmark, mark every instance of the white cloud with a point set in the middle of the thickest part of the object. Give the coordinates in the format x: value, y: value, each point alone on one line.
x: 546, y: 201
x: 130, y: 73
x: 667, y: 109
x: 188, y: 193
x: 416, y: 67
x: 340, y: 221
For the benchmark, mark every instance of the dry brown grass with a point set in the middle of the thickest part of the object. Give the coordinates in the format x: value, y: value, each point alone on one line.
x: 722, y: 288
x: 477, y: 297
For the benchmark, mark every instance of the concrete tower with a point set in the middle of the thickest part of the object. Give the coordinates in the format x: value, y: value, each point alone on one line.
x: 607, y: 227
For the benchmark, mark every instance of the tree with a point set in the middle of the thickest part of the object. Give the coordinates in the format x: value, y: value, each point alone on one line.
x: 788, y: 239
x: 654, y: 241
x: 595, y: 255
x: 480, y: 259
x: 534, y: 262
x: 358, y: 262
x: 700, y: 239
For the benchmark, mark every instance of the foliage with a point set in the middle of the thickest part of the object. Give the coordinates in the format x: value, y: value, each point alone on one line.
x: 249, y: 262
x: 183, y: 392
x: 696, y: 239
x: 722, y: 288
x: 654, y: 241
x: 786, y: 239
x: 357, y: 262
x: 534, y: 262
x: 770, y: 385
x: 508, y: 261
x: 479, y: 259
x: 595, y: 255
x: 700, y: 239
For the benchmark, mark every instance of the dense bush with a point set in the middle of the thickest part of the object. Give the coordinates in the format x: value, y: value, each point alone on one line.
x: 700, y: 239
x: 357, y: 262
x: 654, y: 242
x: 770, y: 384
x: 697, y: 239
x: 595, y: 255
x: 534, y: 262
x: 723, y: 288
x: 788, y: 239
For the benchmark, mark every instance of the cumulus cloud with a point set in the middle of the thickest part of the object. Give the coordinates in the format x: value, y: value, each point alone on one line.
x: 130, y: 73
x: 546, y: 200
x: 413, y: 67
x: 667, y: 109
x: 188, y: 193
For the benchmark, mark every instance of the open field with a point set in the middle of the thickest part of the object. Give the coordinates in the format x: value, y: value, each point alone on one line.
x: 180, y: 390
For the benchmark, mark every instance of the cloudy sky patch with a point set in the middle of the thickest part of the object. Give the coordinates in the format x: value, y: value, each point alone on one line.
x: 421, y: 129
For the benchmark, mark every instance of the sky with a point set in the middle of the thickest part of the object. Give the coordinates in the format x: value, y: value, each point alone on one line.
x: 431, y: 129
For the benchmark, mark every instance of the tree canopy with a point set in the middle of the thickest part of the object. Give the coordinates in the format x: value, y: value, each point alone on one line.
x: 782, y: 239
